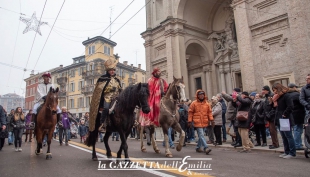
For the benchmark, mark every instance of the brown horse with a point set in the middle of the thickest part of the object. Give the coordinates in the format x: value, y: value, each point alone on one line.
x: 169, y: 116
x: 46, y: 121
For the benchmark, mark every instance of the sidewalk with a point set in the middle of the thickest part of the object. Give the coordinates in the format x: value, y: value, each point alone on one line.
x: 227, y: 144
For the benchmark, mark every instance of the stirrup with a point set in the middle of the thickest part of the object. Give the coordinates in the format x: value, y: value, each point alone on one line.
x: 102, y: 128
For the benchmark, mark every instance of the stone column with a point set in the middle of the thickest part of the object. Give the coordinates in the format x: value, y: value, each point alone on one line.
x: 148, y: 14
x: 148, y: 56
x: 222, y: 74
x: 228, y: 81
x: 207, y: 70
x: 244, y: 44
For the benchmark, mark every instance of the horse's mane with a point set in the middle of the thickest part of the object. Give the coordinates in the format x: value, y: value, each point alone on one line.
x: 128, y: 98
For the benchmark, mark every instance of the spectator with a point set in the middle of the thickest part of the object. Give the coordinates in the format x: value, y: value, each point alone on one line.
x: 298, y: 115
x: 304, y: 97
x: 10, y: 127
x: 115, y: 135
x: 231, y: 115
x: 217, y: 116
x: 258, y: 119
x: 18, y: 123
x: 243, y: 103
x: 64, y: 118
x: 73, y: 130
x: 200, y: 114
x: 183, y: 112
x: 224, y: 108
x: 171, y: 144
x: 284, y: 110
x: 2, y: 126
x: 28, y: 126
x: 83, y: 131
x: 269, y: 112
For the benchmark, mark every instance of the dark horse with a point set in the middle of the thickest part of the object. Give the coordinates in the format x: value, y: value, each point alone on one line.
x: 46, y: 121
x: 122, y: 120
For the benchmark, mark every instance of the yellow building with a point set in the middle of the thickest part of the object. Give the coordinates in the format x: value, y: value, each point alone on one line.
x: 77, y: 81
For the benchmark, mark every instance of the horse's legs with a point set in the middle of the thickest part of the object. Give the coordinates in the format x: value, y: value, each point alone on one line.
x: 165, y: 128
x: 106, y: 143
x: 143, y: 149
x: 123, y: 146
x: 178, y: 128
x: 152, y: 130
x: 39, y: 141
x: 49, y: 139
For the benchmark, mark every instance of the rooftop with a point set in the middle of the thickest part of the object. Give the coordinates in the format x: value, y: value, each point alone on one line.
x: 99, y: 38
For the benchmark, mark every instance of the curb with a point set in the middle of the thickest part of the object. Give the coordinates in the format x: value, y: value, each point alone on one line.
x: 279, y: 150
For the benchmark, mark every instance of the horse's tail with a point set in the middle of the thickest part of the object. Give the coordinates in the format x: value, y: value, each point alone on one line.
x: 91, y: 138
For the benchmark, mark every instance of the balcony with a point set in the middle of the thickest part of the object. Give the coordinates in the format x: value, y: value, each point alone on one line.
x: 62, y: 80
x: 88, y: 89
x: 62, y: 94
x: 91, y: 74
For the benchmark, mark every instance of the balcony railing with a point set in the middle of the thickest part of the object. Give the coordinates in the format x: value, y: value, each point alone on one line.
x: 87, y: 89
x: 91, y: 74
x: 62, y: 94
x: 62, y: 80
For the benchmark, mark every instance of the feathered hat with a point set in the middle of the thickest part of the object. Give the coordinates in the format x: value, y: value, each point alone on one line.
x: 110, y: 64
x: 47, y: 74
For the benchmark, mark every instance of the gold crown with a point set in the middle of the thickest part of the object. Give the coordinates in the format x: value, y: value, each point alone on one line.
x: 110, y: 64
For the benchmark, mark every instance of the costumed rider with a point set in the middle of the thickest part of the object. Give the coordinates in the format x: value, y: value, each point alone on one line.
x: 42, y: 90
x: 107, y: 87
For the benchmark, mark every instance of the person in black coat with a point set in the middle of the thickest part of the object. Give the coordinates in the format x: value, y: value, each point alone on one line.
x: 243, y: 103
x: 258, y: 119
x: 2, y: 126
x: 284, y: 108
x: 298, y: 115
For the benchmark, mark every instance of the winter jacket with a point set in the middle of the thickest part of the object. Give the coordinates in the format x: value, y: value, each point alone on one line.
x: 298, y: 109
x: 2, y: 117
x: 285, y: 107
x: 200, y: 112
x: 256, y: 113
x: 64, y: 117
x: 183, y: 116
x: 243, y: 105
x: 304, y: 97
x: 268, y: 109
x: 83, y: 130
x: 8, y: 121
x: 217, y: 114
x: 19, y: 123
x: 231, y: 110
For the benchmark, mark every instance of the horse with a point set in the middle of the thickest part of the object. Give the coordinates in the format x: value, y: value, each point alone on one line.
x: 122, y: 120
x: 168, y: 116
x: 46, y: 121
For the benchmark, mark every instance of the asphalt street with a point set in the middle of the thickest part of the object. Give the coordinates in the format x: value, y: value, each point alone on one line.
x: 75, y: 160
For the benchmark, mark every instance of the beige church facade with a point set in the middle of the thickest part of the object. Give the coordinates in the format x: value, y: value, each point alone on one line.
x: 217, y: 45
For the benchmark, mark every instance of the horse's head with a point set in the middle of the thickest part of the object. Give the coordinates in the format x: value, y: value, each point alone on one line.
x: 52, y: 100
x: 143, y: 95
x: 177, y: 89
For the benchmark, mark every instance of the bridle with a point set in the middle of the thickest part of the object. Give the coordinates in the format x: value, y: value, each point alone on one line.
x: 178, y: 100
x: 49, y: 107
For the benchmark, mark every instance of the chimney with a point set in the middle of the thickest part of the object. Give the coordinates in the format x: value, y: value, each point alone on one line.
x: 139, y: 66
x: 32, y: 73
x: 61, y: 66
x: 125, y: 62
x: 131, y: 65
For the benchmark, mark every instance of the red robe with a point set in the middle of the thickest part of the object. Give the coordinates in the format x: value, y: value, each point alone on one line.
x: 152, y: 118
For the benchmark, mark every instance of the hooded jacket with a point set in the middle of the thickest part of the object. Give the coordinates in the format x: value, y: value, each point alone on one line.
x: 200, y: 112
x: 217, y: 113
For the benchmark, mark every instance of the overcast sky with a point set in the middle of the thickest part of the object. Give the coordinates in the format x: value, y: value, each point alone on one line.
x: 78, y: 20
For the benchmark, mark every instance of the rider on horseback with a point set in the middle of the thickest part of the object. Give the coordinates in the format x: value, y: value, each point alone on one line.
x: 42, y: 90
x: 107, y: 87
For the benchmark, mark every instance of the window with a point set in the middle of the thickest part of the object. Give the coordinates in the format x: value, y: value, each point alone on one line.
x: 198, y: 83
x: 283, y: 81
x: 81, y: 84
x: 107, y: 50
x: 72, y: 87
x: 136, y: 77
x: 81, y: 102
x: 27, y: 92
x: 71, y: 103
x: 91, y: 50
x: 87, y: 102
x: 143, y: 79
x: 72, y: 73
x: 90, y: 82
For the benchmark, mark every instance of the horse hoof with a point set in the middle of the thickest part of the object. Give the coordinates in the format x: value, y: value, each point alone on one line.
x: 169, y: 155
x: 48, y: 157
x: 36, y: 152
x: 157, y: 151
x: 179, y: 148
x: 95, y: 159
x: 109, y: 156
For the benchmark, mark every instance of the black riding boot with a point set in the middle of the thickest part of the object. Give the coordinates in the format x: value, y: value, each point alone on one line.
x: 103, y: 117
x: 59, y: 122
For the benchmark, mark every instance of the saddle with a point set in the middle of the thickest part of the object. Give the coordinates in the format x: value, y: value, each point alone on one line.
x: 107, y: 121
